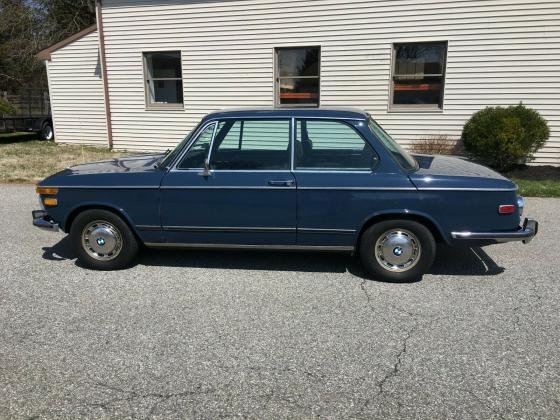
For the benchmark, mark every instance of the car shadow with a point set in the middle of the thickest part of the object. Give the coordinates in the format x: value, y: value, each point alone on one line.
x: 449, y: 261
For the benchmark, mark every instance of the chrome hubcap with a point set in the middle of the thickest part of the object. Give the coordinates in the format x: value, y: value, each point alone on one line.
x: 398, y: 250
x: 101, y: 240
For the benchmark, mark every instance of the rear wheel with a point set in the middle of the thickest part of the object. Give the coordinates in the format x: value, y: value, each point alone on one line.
x: 397, y: 250
x: 103, y: 240
x: 47, y: 131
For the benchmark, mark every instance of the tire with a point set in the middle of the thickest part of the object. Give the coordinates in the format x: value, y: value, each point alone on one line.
x: 103, y: 240
x: 397, y: 250
x: 47, y: 131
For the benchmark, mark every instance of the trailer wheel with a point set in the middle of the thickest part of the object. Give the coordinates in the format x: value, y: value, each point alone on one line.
x: 47, y: 131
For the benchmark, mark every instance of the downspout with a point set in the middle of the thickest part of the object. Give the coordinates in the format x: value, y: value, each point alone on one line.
x: 99, y: 16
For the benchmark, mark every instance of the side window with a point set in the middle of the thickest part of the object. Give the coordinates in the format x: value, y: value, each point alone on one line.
x: 194, y: 159
x: 252, y: 144
x: 331, y: 145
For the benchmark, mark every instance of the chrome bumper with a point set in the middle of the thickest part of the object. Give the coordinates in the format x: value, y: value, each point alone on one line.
x: 526, y: 233
x: 42, y: 220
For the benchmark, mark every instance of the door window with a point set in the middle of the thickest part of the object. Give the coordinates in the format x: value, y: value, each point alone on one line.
x: 197, y: 154
x: 331, y: 145
x: 251, y: 145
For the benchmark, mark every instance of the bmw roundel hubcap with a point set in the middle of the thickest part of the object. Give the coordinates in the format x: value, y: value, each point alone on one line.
x: 101, y: 240
x: 398, y: 250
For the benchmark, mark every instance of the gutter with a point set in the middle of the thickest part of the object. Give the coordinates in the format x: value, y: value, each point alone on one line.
x: 99, y: 16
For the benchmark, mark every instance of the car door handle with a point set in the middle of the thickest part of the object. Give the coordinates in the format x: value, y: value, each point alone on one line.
x: 285, y: 183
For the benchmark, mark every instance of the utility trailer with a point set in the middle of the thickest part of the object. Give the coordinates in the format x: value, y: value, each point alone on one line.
x: 32, y: 113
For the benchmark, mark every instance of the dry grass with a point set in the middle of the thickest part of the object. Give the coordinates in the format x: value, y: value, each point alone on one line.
x: 440, y: 144
x: 33, y: 160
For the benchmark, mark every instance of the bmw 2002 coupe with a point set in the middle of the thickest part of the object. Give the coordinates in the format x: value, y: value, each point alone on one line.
x: 284, y: 179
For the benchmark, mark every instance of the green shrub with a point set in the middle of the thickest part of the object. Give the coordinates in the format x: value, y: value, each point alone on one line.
x: 504, y: 137
x: 6, y: 108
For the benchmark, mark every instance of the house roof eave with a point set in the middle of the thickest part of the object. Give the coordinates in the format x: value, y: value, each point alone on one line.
x: 45, y: 55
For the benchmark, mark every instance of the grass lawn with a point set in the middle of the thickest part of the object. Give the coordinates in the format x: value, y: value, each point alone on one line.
x: 532, y: 188
x: 537, y: 181
x: 25, y: 160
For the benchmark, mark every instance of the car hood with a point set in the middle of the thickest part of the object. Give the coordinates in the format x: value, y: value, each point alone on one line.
x: 449, y: 172
x: 139, y: 163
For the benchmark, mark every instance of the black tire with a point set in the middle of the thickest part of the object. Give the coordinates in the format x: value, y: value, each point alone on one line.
x: 47, y: 131
x: 110, y: 230
x: 411, y: 244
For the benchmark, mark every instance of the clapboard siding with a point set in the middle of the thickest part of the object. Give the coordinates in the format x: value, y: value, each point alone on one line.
x: 76, y: 92
x: 499, y: 53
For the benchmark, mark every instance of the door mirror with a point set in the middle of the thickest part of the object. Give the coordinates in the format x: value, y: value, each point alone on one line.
x: 207, y: 171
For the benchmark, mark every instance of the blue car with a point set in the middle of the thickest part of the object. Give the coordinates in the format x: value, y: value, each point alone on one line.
x: 284, y: 179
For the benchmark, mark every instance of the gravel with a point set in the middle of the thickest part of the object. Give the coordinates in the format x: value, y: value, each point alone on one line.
x: 268, y: 335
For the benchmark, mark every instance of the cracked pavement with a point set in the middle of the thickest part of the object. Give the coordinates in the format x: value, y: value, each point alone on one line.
x: 276, y: 335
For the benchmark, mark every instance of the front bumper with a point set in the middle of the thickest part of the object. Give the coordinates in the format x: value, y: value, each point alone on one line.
x: 42, y: 220
x: 525, y: 233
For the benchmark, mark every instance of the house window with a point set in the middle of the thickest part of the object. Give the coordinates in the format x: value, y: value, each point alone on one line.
x: 298, y: 76
x: 418, y: 75
x: 164, y: 82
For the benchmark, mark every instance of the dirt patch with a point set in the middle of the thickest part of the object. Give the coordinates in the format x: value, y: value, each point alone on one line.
x: 535, y: 173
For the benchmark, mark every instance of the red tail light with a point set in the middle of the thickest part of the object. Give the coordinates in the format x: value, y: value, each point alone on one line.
x: 506, y: 209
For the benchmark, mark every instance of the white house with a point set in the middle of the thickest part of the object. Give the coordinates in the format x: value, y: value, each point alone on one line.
x: 150, y: 69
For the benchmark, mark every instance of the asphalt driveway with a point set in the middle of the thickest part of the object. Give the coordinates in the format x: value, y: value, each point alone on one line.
x: 209, y: 334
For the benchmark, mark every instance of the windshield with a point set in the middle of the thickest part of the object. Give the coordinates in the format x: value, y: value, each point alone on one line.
x: 171, y: 155
x: 401, y: 156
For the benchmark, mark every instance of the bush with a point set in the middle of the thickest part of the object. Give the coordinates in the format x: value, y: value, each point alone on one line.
x: 6, y: 108
x: 439, y: 144
x: 504, y: 137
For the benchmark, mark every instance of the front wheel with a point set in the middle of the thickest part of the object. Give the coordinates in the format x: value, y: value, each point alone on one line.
x: 397, y: 250
x: 103, y: 240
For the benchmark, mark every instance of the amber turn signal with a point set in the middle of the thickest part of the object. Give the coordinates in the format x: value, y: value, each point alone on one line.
x: 51, y: 202
x: 47, y: 190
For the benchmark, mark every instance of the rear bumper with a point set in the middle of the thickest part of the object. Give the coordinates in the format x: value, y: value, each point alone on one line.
x: 42, y: 220
x: 525, y: 233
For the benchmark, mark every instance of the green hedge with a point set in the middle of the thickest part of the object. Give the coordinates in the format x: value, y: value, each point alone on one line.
x: 505, y: 137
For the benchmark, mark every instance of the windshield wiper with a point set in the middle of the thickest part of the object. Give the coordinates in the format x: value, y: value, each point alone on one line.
x: 157, y: 165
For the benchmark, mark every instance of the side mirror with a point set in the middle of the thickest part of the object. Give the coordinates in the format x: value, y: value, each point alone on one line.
x: 207, y: 171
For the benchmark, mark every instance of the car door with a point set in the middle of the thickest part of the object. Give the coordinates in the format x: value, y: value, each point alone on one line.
x: 341, y: 182
x: 246, y: 195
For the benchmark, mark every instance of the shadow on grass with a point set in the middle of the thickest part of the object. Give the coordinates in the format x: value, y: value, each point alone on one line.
x: 7, y: 138
x: 449, y: 261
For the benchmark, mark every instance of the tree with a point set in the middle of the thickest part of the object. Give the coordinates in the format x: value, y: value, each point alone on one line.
x: 20, y: 39
x: 63, y: 18
x: 26, y: 27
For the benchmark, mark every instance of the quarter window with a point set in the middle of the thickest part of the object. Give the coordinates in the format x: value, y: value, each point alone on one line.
x: 164, y: 82
x: 298, y: 76
x: 331, y: 145
x: 251, y: 144
x: 418, y: 75
x: 197, y: 154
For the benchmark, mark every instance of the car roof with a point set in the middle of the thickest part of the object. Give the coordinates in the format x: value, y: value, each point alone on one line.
x: 335, y: 113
